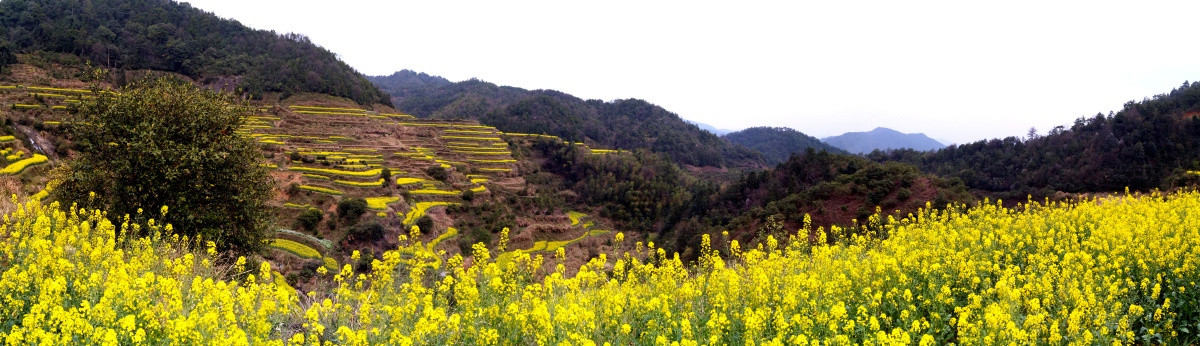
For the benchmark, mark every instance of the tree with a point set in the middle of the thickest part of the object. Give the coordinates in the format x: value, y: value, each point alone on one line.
x: 386, y: 174
x: 309, y: 219
x: 425, y: 224
x: 167, y: 143
x: 6, y: 54
x: 366, y: 232
x: 351, y: 209
x: 437, y: 172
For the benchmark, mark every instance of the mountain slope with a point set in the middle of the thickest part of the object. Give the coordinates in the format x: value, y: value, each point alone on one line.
x: 777, y: 143
x: 882, y: 139
x: 403, y: 81
x: 621, y: 124
x: 174, y: 37
x: 1149, y: 144
x: 830, y: 188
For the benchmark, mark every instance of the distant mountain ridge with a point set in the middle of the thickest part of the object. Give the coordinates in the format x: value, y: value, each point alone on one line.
x: 405, y: 80
x: 778, y: 143
x: 629, y: 124
x: 882, y: 138
x: 710, y: 128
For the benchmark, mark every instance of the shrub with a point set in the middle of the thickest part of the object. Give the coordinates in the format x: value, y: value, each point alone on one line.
x: 386, y: 175
x: 366, y: 232
x: 364, y: 262
x: 425, y: 223
x: 309, y: 219
x: 437, y: 173
x: 351, y: 208
x: 903, y: 194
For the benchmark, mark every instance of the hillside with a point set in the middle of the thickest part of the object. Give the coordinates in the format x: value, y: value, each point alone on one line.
x: 882, y: 139
x: 404, y: 82
x: 827, y: 189
x: 458, y: 180
x: 1154, y: 143
x: 174, y: 37
x: 621, y: 124
x: 473, y: 180
x: 777, y: 143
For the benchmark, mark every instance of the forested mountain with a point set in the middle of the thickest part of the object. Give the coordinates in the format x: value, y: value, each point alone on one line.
x: 645, y: 191
x: 403, y: 81
x: 882, y: 138
x: 1148, y: 144
x: 777, y: 143
x: 171, y: 36
x: 642, y: 190
x: 621, y: 124
x: 832, y: 189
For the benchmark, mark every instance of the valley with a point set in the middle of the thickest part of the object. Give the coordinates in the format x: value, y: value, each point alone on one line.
x: 175, y: 177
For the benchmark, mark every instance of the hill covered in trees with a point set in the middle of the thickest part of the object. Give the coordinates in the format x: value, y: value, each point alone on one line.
x: 175, y: 37
x: 405, y: 81
x: 644, y: 191
x: 777, y: 143
x: 1148, y: 144
x: 621, y: 124
x: 882, y: 138
x: 829, y: 189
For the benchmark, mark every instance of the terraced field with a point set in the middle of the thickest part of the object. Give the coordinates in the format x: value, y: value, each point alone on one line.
x: 322, y: 151
x: 551, y: 247
x: 343, y: 150
x: 20, y: 152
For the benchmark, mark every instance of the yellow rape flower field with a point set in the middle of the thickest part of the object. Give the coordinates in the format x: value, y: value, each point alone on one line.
x: 1118, y: 270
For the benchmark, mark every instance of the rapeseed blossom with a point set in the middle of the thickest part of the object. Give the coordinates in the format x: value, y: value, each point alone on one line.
x: 1115, y: 270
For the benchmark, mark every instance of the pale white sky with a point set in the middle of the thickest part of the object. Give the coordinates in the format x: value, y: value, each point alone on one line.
x: 955, y: 70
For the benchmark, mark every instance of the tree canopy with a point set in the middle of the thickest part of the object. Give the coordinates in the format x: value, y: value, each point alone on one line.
x: 778, y: 143
x: 173, y: 36
x: 1148, y: 144
x: 168, y: 144
x: 620, y: 124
